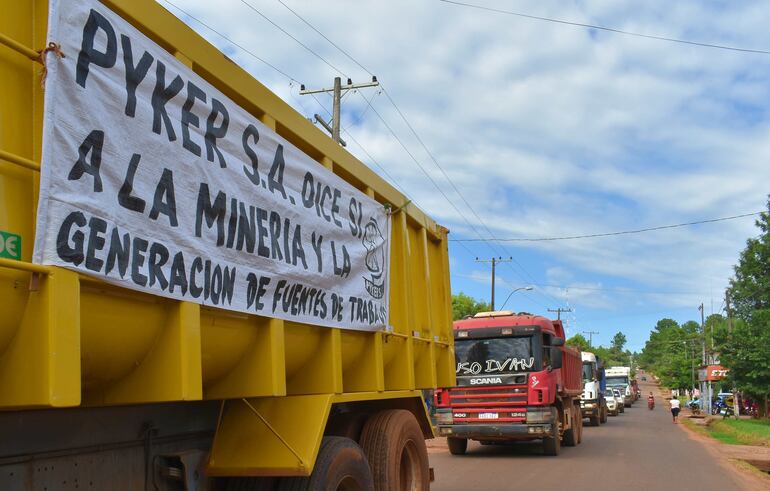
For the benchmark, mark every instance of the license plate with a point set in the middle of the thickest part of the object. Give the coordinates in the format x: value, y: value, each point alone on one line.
x: 487, y: 415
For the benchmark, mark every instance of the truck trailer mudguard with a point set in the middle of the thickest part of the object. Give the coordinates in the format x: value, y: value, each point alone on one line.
x: 94, y: 350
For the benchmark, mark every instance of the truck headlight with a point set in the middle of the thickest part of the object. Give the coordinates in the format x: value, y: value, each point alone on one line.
x: 539, y: 415
x: 444, y: 417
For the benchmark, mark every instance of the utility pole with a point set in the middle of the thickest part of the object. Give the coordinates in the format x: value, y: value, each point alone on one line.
x: 559, y: 311
x: 705, y: 395
x: 692, y: 369
x: 730, y: 330
x: 729, y: 311
x: 337, y: 92
x: 494, y: 262
x: 590, y: 337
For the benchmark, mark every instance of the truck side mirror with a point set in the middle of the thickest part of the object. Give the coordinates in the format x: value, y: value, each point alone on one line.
x: 557, y: 342
x: 556, y: 360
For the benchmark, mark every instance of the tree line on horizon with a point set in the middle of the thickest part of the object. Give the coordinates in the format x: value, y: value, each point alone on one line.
x: 741, y: 340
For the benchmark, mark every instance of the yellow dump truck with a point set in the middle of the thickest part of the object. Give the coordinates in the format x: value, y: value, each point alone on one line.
x: 198, y: 288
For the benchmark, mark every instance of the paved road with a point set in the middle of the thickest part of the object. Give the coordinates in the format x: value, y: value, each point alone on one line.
x: 639, y: 450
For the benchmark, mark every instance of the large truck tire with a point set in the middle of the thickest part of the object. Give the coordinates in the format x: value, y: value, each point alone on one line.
x: 458, y: 446
x: 551, y: 446
x: 572, y: 436
x: 579, y: 426
x: 603, y: 418
x: 340, y: 466
x: 595, y: 420
x: 394, y: 445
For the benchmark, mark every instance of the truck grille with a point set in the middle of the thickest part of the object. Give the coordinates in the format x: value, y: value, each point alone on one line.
x: 489, y: 404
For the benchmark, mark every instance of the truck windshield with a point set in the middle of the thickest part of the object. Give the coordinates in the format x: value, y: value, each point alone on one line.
x: 494, y: 356
x: 588, y: 374
x: 617, y: 381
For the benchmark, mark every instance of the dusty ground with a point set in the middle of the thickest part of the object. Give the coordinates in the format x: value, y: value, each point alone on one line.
x: 639, y: 450
x: 733, y: 457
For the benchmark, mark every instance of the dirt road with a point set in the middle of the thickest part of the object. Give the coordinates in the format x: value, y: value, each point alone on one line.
x: 639, y: 450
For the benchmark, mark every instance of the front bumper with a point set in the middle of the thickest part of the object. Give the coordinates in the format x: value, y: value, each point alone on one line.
x: 589, y: 408
x: 514, y: 431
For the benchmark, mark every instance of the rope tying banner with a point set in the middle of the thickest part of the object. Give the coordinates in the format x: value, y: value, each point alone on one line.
x: 54, y: 48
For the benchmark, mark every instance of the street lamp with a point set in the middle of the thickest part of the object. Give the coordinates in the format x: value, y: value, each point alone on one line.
x: 525, y: 288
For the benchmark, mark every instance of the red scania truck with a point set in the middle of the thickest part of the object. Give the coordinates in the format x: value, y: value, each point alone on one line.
x: 516, y: 380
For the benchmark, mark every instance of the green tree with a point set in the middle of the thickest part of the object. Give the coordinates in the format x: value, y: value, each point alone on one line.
x: 618, y: 341
x: 579, y: 341
x: 464, y: 305
x: 750, y: 288
x: 745, y: 350
x: 670, y: 352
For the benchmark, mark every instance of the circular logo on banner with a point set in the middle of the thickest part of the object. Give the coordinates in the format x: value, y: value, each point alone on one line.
x: 375, y: 258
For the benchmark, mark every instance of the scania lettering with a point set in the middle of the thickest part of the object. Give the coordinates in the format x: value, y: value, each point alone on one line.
x: 479, y: 381
x: 515, y: 381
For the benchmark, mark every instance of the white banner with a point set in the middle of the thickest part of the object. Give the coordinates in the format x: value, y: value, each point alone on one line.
x: 154, y: 180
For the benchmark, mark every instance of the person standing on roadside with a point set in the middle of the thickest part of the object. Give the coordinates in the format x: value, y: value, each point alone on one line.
x: 674, y: 402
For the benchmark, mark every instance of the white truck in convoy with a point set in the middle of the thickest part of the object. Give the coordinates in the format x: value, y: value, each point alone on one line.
x: 620, y: 378
x: 592, y: 402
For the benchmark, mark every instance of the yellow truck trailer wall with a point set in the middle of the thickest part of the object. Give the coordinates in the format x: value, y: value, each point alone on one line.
x: 68, y: 340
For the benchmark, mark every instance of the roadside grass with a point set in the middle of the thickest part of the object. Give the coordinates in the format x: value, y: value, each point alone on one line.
x: 742, y: 431
x: 735, y: 431
x: 699, y: 429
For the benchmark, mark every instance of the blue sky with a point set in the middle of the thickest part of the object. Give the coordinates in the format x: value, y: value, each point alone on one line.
x: 548, y: 130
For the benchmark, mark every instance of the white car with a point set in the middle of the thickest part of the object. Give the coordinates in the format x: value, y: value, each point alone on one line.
x: 619, y: 400
x: 612, y: 404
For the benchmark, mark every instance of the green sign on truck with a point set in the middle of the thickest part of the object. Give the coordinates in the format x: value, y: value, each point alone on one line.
x: 10, y: 245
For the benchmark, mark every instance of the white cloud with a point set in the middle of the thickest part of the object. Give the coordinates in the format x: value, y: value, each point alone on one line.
x: 551, y: 130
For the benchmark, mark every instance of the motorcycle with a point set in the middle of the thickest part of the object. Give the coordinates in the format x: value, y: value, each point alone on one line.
x: 650, y: 404
x: 694, y: 406
x: 722, y: 408
x: 727, y: 412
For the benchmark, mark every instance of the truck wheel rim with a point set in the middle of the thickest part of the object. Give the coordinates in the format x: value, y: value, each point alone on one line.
x: 348, y: 483
x: 409, y: 467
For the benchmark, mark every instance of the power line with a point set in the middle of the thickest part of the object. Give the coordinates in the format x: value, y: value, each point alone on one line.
x: 608, y: 234
x: 602, y: 289
x: 229, y: 40
x: 360, y: 117
x: 619, y: 290
x: 590, y: 337
x: 608, y: 29
x: 438, y: 188
x: 417, y: 136
x: 292, y: 81
x: 295, y: 39
x: 559, y: 311
x: 383, y: 121
x: 379, y: 166
x: 446, y: 176
x: 324, y: 36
